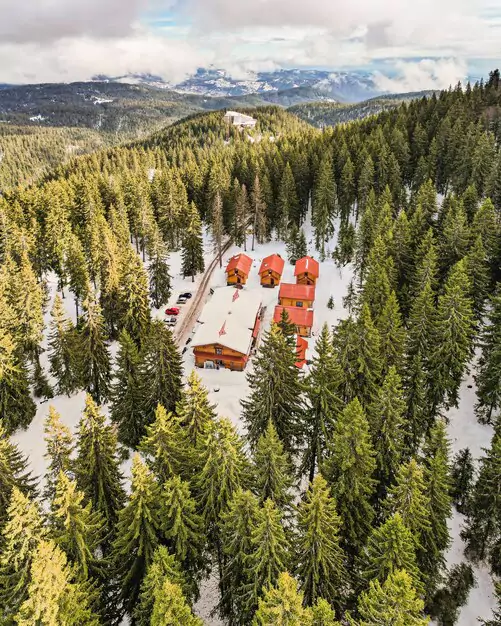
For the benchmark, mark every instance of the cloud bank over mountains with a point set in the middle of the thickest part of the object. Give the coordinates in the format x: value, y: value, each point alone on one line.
x: 411, y: 43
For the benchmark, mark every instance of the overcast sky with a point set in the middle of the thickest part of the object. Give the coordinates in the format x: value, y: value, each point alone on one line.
x: 411, y: 44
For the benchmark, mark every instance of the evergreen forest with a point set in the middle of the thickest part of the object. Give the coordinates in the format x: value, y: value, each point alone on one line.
x: 332, y: 508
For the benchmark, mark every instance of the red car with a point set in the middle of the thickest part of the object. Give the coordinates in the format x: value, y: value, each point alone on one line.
x: 172, y: 311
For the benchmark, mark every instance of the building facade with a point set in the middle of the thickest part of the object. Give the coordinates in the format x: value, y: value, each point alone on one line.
x: 238, y: 269
x: 301, y: 318
x: 271, y: 270
x: 307, y: 271
x: 302, y: 296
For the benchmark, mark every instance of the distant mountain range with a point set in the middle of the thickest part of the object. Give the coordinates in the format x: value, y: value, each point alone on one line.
x: 339, y: 86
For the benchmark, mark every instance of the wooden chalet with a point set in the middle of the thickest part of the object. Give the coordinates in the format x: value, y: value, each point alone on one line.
x: 301, y: 318
x: 228, y: 329
x: 238, y: 269
x: 271, y: 270
x: 307, y: 271
x: 296, y: 295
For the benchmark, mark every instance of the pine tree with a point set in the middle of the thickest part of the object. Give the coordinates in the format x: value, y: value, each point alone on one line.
x: 388, y: 429
x: 483, y: 530
x: 59, y: 442
x: 163, y: 567
x: 437, y: 488
x: 392, y: 334
x: 94, y: 358
x: 378, y: 280
x: 390, y: 547
x: 325, y: 205
x: 448, y: 600
x: 287, y: 208
x: 273, y: 470
x: 17, y: 408
x: 323, y: 396
x: 259, y: 210
x: 282, y: 605
x: 275, y: 391
x: 182, y: 527
x: 160, y: 372
x: 134, y: 303
x: 158, y: 272
x: 477, y: 268
x: 96, y: 467
x: 461, y: 480
x: 63, y: 350
x: 319, y: 557
x: 289, y: 330
x: 454, y: 335
x: 55, y: 596
x: 217, y: 227
x: 75, y: 527
x: 238, y: 523
x: 393, y: 602
x: 138, y: 533
x: 125, y: 393
x: 269, y: 556
x: 21, y: 534
x: 165, y: 447
x: 170, y: 608
x: 349, y: 471
x: 194, y: 410
x: 13, y: 474
x: 193, y: 252
x: 488, y: 378
x: 224, y: 471
x: 497, y: 616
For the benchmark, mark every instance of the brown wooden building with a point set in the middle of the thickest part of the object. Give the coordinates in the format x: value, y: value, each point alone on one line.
x: 302, y: 318
x: 271, y: 270
x: 296, y: 295
x: 228, y: 329
x: 238, y: 269
x: 307, y: 271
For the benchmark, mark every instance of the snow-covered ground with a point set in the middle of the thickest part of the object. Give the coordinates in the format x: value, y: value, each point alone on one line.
x: 464, y: 430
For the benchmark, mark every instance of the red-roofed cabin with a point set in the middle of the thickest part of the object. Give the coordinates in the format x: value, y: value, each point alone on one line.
x: 301, y: 318
x: 301, y: 347
x: 296, y: 295
x: 271, y: 270
x: 238, y: 269
x: 307, y: 271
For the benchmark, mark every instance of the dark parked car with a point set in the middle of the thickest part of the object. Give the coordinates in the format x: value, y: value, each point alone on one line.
x: 187, y: 295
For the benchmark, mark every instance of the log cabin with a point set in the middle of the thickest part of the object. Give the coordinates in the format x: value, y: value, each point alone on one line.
x: 301, y: 347
x: 271, y: 270
x: 307, y: 271
x: 228, y: 329
x: 238, y: 269
x: 301, y: 318
x: 296, y: 295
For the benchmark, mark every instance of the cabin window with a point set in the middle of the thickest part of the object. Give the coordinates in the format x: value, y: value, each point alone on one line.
x: 299, y: 304
x: 219, y: 351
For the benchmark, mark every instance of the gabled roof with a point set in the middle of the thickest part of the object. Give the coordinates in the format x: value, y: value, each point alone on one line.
x: 240, y: 262
x: 297, y: 292
x: 228, y: 319
x: 273, y: 262
x: 307, y: 264
x: 301, y: 347
x: 297, y: 315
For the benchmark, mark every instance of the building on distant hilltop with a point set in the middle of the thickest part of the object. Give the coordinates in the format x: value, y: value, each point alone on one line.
x: 228, y: 329
x: 240, y: 119
x: 301, y: 318
x: 238, y: 269
x: 307, y: 271
x: 301, y: 347
x: 296, y: 295
x: 271, y: 270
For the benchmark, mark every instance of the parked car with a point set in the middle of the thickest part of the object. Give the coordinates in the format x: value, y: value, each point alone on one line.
x: 181, y: 300
x: 172, y: 311
x: 171, y: 321
x: 187, y: 295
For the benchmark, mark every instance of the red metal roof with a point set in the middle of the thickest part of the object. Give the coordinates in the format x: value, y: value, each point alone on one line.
x: 297, y: 292
x: 273, y: 262
x: 257, y: 326
x: 307, y: 264
x: 301, y: 347
x: 240, y: 262
x: 297, y: 315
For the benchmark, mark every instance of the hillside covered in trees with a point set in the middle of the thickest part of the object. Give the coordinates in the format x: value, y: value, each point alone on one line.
x: 332, y: 507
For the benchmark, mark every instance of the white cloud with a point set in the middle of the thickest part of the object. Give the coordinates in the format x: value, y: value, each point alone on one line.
x: 426, y: 74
